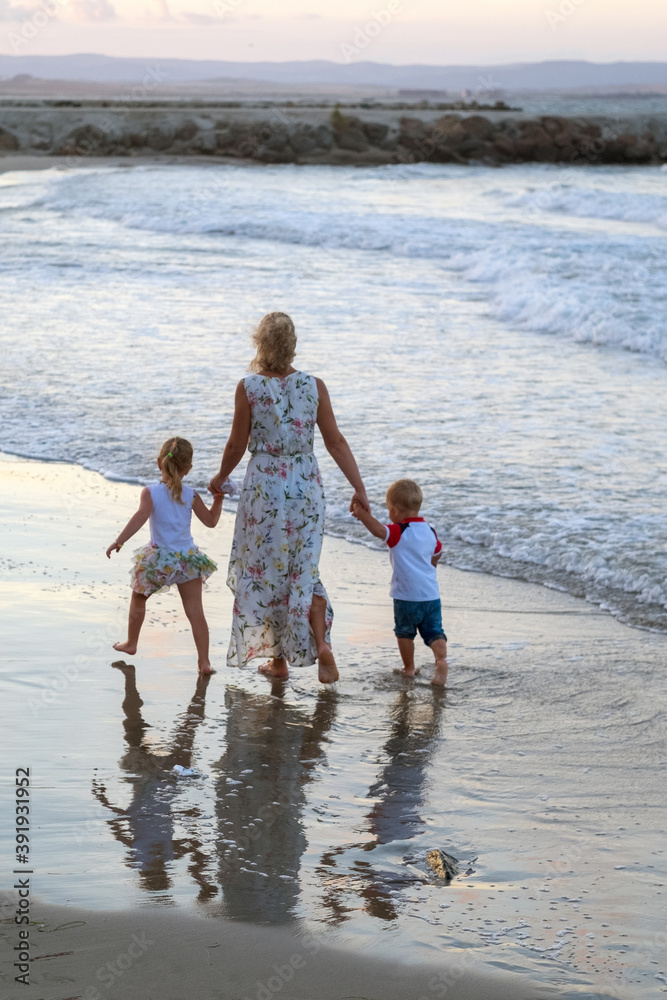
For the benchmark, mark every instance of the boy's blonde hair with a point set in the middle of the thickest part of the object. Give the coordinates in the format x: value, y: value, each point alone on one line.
x: 406, y: 494
x: 275, y: 344
x: 176, y: 461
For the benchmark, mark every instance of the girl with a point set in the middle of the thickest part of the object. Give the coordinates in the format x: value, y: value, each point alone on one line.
x: 171, y: 557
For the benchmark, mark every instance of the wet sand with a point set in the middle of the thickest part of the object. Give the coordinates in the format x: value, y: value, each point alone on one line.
x: 539, y: 769
x: 149, y: 955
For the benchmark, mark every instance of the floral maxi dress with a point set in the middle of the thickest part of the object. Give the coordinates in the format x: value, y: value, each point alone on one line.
x: 274, y: 563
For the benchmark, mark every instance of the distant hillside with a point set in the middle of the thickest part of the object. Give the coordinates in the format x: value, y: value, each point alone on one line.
x: 544, y: 76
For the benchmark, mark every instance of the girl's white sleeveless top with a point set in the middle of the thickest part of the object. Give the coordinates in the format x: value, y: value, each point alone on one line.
x: 170, y: 521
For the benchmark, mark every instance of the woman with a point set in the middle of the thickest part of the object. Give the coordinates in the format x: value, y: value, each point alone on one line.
x: 281, y: 609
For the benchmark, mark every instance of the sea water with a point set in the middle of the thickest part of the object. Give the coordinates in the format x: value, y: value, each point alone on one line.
x: 498, y: 335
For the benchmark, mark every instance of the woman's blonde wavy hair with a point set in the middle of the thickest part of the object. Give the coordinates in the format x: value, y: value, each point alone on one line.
x: 275, y: 344
x: 175, y: 461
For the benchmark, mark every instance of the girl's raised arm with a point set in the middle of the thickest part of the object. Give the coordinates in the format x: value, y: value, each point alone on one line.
x: 237, y: 441
x: 136, y: 521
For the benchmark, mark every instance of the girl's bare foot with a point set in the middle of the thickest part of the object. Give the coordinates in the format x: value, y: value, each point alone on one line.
x: 205, y: 669
x: 276, y: 668
x: 440, y: 674
x: 125, y: 647
x: 327, y: 671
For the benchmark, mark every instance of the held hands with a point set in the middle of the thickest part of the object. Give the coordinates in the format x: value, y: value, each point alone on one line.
x: 215, y: 484
x: 220, y: 487
x: 359, y: 498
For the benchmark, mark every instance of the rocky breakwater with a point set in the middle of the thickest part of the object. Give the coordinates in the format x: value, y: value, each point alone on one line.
x: 455, y: 139
x: 300, y: 135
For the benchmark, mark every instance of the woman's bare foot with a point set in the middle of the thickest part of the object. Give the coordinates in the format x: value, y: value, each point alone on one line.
x: 327, y: 671
x: 125, y: 647
x: 440, y: 674
x: 205, y: 669
x: 275, y: 668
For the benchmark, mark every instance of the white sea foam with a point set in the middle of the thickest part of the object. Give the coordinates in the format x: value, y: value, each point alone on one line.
x: 456, y: 315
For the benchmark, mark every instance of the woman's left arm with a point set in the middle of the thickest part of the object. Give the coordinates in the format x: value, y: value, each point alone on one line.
x: 237, y: 441
x: 338, y: 447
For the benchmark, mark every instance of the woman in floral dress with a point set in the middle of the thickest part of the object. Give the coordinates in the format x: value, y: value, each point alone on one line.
x: 281, y: 609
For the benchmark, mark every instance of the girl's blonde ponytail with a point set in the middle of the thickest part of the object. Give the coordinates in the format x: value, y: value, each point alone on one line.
x: 175, y: 462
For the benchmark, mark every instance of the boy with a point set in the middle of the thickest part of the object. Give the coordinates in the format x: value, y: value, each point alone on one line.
x: 414, y: 551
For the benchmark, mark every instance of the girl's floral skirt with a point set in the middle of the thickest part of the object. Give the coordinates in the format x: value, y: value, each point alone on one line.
x: 156, y: 568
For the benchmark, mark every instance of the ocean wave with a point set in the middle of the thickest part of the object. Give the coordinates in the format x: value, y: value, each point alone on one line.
x: 604, y: 289
x: 589, y: 202
x: 424, y: 306
x: 605, y: 296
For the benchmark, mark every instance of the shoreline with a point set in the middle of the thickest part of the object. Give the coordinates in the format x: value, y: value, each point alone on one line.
x: 594, y: 606
x: 512, y: 743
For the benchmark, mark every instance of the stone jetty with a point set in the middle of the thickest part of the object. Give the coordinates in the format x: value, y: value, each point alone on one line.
x: 281, y: 134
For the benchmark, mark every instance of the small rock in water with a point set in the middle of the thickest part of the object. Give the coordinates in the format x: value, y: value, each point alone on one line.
x: 444, y: 865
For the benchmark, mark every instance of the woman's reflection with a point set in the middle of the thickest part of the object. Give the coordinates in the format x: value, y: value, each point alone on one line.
x: 273, y: 750
x: 146, y: 826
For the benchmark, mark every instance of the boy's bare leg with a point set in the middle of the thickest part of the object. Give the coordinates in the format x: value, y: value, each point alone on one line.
x: 439, y: 647
x: 327, y: 671
x: 192, y: 605
x: 134, y: 623
x: 406, y: 648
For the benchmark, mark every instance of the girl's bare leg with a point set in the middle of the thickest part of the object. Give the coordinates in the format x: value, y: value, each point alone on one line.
x: 327, y: 670
x: 134, y: 623
x: 192, y: 605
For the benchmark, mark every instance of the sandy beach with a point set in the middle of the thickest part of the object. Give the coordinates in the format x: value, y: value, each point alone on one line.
x: 554, y: 815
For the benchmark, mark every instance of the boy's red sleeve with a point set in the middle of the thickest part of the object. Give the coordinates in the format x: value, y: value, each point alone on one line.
x: 438, y: 543
x: 393, y: 534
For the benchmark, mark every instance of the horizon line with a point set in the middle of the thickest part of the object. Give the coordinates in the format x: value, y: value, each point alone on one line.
x: 332, y: 62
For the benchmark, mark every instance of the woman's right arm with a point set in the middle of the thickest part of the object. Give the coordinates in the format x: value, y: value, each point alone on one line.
x: 237, y: 441
x: 338, y: 447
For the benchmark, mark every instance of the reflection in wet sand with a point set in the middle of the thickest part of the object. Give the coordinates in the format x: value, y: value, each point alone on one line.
x: 395, y: 816
x: 146, y: 826
x: 273, y: 750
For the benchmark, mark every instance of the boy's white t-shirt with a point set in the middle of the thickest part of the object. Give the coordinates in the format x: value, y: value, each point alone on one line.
x: 411, y: 544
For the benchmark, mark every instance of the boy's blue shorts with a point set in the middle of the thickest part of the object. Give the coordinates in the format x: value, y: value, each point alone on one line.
x: 424, y: 617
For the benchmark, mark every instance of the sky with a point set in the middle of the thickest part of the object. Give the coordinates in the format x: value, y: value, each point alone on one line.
x: 394, y: 31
